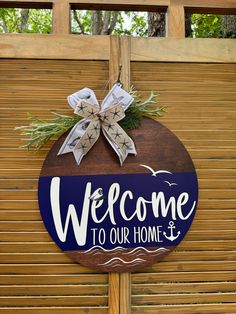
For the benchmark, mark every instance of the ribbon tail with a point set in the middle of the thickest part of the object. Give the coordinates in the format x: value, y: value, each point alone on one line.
x: 130, y: 150
x: 87, y: 141
x: 73, y: 137
x: 116, y: 148
x: 78, y: 155
x: 119, y: 141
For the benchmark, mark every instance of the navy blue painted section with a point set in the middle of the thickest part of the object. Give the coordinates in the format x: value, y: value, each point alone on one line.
x: 72, y: 190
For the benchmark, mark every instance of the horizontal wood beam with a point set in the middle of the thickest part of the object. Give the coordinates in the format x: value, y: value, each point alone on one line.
x: 39, y: 4
x: 183, y: 50
x: 210, y: 6
x: 129, y: 5
x: 124, y: 5
x: 37, y: 46
x: 201, y: 10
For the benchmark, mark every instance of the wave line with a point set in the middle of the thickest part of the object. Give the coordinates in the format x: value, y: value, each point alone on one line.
x: 139, y: 260
x: 100, y: 247
x: 146, y: 250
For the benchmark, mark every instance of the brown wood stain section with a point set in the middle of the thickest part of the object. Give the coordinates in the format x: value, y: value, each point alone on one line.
x: 156, y: 146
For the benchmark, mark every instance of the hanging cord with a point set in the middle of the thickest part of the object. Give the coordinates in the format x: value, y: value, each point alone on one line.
x: 118, y: 81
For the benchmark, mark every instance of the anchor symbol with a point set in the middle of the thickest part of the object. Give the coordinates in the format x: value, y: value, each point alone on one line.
x: 171, y: 237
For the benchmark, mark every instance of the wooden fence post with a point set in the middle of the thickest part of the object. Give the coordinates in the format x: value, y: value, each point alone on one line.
x: 125, y: 51
x: 113, y: 293
x: 175, y: 26
x: 114, y: 60
x: 114, y: 278
x: 125, y: 278
x: 61, y: 17
x: 119, y: 284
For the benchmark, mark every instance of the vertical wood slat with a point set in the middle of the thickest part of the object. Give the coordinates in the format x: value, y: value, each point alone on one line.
x: 114, y: 60
x: 120, y: 51
x: 125, y: 53
x: 125, y: 293
x: 125, y: 278
x: 61, y: 17
x: 120, y: 284
x: 114, y: 278
x: 175, y: 26
x: 113, y: 293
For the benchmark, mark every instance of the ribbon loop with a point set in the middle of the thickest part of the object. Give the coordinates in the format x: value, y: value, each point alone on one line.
x: 87, y: 131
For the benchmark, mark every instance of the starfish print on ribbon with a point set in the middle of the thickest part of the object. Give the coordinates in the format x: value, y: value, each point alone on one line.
x: 96, y: 118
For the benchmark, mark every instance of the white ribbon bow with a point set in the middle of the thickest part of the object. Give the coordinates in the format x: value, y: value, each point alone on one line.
x: 87, y: 131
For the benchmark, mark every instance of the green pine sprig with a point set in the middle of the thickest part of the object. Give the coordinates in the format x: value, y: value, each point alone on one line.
x: 138, y: 109
x: 39, y: 132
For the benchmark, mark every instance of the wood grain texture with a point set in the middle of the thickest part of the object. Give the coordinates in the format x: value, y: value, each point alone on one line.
x: 210, y: 6
x: 38, y: 4
x: 61, y: 17
x: 125, y: 293
x: 175, y: 26
x: 183, y: 50
x: 113, y: 293
x: 114, y: 68
x: 63, y: 286
x: 191, y: 118
x: 54, y: 46
x: 108, y: 163
x: 54, y: 310
x: 125, y: 51
x: 125, y: 278
x: 124, y: 5
x: 188, y: 309
x: 114, y: 59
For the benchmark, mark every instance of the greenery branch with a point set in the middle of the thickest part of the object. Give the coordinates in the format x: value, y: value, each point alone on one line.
x: 39, y: 132
x: 140, y: 108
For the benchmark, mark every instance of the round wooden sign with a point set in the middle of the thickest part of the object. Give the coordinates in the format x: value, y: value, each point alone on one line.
x: 115, y: 218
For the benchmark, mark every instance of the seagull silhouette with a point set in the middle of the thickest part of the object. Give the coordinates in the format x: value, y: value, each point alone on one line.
x: 97, y: 195
x: 154, y: 173
x: 170, y: 184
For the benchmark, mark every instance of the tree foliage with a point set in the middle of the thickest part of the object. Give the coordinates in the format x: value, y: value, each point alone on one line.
x: 109, y: 22
x: 25, y: 21
x: 116, y: 23
x: 213, y: 26
x: 206, y: 25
